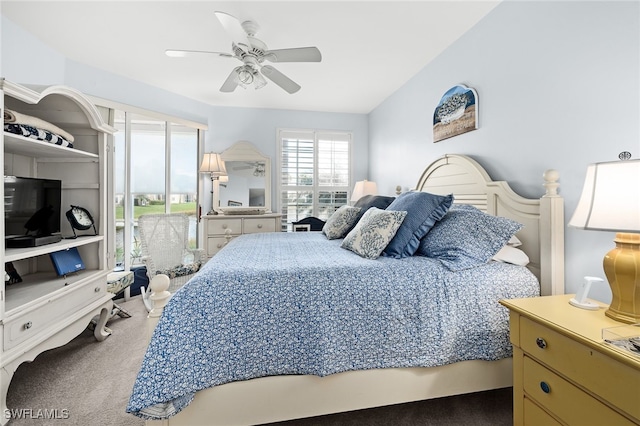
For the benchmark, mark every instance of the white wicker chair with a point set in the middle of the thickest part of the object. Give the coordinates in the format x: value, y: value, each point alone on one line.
x: 164, y: 240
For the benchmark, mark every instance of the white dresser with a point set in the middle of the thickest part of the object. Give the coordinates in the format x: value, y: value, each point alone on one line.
x: 220, y: 229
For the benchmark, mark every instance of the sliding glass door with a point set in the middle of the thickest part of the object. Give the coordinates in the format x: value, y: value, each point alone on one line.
x: 156, y: 171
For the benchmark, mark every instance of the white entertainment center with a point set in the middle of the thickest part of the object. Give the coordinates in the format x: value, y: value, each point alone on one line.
x: 45, y: 310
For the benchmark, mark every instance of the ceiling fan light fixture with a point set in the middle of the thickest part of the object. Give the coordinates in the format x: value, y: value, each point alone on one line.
x: 259, y: 170
x: 245, y: 77
x: 259, y: 81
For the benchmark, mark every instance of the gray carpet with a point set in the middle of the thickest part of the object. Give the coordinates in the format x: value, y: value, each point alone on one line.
x: 91, y: 381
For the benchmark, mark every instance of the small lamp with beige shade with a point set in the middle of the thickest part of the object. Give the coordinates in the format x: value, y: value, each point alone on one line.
x: 610, y: 201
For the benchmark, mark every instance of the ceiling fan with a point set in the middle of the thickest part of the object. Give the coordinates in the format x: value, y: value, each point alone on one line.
x: 257, y: 166
x: 253, y: 52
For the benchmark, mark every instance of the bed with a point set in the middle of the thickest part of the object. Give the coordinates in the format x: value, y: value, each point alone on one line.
x: 359, y: 367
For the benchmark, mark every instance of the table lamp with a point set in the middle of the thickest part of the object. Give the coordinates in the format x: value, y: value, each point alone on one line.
x: 610, y: 201
x: 362, y: 188
x: 213, y: 164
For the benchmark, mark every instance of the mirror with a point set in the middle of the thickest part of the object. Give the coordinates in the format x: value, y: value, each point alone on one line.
x: 248, y: 183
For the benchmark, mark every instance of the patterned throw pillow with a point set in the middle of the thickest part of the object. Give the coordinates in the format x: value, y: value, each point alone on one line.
x: 340, y: 222
x: 423, y: 211
x: 368, y: 201
x: 467, y: 237
x: 373, y: 232
x: 180, y: 270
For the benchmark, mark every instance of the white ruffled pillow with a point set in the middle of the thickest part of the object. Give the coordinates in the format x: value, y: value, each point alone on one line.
x: 510, y: 254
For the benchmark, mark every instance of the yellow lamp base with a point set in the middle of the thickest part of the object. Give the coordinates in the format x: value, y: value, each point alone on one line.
x: 622, y: 268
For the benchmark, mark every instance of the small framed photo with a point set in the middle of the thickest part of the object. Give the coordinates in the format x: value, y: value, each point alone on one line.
x: 301, y: 228
x: 232, y: 203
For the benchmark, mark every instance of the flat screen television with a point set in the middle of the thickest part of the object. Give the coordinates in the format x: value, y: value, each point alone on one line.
x: 31, y: 206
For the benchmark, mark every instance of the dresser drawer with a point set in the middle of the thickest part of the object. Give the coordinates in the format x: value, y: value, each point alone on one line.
x: 215, y: 244
x: 603, y: 376
x: 220, y: 226
x: 536, y: 416
x: 33, y: 322
x: 565, y: 400
x: 254, y: 226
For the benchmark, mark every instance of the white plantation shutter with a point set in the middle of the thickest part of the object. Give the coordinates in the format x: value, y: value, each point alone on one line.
x: 314, y: 173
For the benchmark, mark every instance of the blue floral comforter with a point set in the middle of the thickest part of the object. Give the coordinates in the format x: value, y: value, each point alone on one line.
x: 297, y: 303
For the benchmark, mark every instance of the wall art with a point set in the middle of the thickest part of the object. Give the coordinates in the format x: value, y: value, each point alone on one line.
x: 457, y: 113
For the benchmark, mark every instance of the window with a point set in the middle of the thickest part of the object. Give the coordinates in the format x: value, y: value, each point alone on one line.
x: 155, y: 171
x: 315, y: 173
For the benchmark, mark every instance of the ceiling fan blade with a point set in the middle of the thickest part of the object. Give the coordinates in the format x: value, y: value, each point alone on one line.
x: 231, y: 82
x: 297, y: 54
x: 175, y: 53
x: 280, y: 79
x: 233, y: 27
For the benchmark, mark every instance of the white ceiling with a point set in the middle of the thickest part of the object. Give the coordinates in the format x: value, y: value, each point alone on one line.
x: 369, y: 48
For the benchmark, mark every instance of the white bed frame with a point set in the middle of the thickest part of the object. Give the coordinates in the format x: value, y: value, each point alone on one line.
x: 278, y: 398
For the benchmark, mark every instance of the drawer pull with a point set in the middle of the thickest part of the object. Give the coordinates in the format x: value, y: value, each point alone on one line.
x: 219, y: 245
x: 224, y: 226
x: 97, y: 289
x: 545, y: 387
x: 542, y: 344
x: 259, y: 226
x: 28, y: 325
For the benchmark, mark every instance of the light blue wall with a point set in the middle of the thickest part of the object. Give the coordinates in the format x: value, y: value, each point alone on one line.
x: 557, y: 82
x: 558, y: 87
x: 226, y: 125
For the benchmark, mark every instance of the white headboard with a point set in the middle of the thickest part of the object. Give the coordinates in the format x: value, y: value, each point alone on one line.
x: 543, y: 233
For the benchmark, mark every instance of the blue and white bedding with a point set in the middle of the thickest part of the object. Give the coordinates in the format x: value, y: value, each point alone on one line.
x: 36, y: 133
x: 296, y: 303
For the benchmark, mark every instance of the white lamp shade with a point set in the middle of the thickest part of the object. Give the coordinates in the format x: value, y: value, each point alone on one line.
x: 610, y: 199
x: 362, y: 188
x: 213, y: 163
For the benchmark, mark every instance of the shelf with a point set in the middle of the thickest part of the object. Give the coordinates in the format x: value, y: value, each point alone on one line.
x: 45, y: 310
x: 21, y: 145
x: 31, y: 292
x: 14, y: 254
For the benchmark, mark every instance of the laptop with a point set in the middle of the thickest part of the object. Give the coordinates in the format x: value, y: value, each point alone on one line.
x: 67, y: 261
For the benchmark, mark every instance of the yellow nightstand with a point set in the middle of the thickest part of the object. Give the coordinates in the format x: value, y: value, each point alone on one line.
x: 564, y: 373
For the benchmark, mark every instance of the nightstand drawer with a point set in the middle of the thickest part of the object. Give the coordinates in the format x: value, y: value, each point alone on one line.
x: 221, y: 226
x: 536, y: 416
x: 598, y: 373
x: 254, y: 226
x: 564, y: 400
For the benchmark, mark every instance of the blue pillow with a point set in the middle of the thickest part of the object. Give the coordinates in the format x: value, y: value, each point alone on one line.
x: 423, y: 211
x: 467, y: 237
x: 366, y: 202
